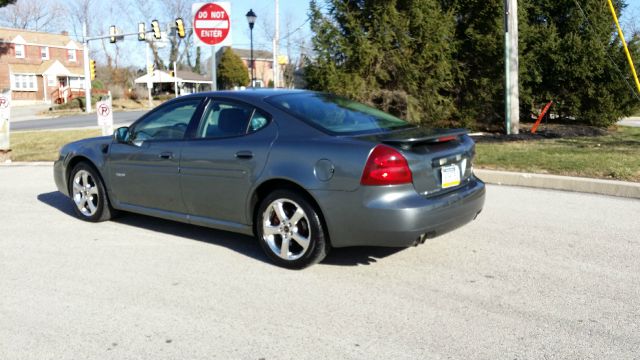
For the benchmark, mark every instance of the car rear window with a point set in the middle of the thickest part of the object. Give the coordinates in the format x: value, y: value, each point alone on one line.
x: 337, y: 115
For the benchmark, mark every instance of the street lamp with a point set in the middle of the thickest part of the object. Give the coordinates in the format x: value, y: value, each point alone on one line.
x: 251, y: 18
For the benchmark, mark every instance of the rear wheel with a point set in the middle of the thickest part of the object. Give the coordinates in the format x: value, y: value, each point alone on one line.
x: 88, y: 194
x: 290, y: 230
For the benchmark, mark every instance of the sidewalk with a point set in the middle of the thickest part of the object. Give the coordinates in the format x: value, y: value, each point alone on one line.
x: 566, y: 183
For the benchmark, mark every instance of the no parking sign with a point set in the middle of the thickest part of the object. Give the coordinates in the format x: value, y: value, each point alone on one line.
x: 104, y: 110
x: 5, y: 115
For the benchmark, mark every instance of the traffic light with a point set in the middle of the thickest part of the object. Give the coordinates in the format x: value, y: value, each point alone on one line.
x: 172, y: 73
x: 112, y: 32
x: 142, y: 34
x: 92, y: 69
x: 150, y: 69
x: 155, y: 26
x: 180, y: 27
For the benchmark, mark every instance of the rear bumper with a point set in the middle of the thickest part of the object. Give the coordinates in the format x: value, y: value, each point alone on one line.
x: 397, y: 216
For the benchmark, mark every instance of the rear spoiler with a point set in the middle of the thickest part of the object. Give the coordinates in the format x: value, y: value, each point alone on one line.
x: 418, y: 137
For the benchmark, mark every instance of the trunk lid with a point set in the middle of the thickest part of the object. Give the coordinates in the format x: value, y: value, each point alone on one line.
x: 440, y: 159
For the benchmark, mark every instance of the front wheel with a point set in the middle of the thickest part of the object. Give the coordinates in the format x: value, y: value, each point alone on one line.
x: 88, y: 194
x: 290, y: 230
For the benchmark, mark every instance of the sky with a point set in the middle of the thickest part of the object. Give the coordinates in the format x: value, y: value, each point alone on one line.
x: 294, y: 27
x: 295, y: 32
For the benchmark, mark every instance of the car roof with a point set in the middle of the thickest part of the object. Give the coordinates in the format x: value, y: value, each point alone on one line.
x: 248, y: 94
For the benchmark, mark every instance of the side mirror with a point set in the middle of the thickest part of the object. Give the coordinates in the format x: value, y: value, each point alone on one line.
x: 121, y: 135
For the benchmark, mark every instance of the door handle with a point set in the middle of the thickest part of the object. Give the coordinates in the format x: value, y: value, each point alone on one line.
x: 244, y: 155
x: 166, y: 155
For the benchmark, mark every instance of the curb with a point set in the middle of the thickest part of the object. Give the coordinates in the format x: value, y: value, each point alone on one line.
x: 26, y: 163
x: 567, y: 183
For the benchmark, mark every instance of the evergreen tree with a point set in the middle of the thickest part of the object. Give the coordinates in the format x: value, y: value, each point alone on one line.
x: 231, y: 70
x: 196, y: 67
x: 395, y: 54
x: 576, y: 59
x: 433, y: 60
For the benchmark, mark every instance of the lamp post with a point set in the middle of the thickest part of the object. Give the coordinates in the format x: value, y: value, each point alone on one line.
x: 251, y: 18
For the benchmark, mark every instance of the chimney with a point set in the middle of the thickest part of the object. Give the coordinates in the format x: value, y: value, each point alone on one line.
x: 65, y: 33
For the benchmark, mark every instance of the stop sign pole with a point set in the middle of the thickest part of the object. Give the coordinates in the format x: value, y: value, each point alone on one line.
x: 212, y: 26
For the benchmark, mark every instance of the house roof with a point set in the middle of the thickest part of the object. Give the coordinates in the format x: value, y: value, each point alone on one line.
x: 182, y: 76
x: 157, y: 77
x: 37, y: 37
x: 52, y: 67
x: 189, y: 76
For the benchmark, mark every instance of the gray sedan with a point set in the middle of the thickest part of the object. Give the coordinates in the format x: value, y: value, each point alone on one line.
x: 302, y: 171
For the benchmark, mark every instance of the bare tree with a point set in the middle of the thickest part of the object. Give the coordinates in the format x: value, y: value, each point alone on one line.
x: 32, y: 15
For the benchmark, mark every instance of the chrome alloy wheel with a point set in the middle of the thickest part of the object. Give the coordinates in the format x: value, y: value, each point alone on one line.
x: 85, y: 193
x: 286, y: 229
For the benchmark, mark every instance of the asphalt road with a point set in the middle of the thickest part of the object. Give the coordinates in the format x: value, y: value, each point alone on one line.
x: 540, y: 275
x: 74, y: 121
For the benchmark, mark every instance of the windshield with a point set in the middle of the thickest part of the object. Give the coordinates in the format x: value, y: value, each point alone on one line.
x: 337, y: 115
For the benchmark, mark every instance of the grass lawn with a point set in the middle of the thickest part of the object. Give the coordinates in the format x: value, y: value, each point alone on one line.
x: 613, y: 156
x: 44, y: 145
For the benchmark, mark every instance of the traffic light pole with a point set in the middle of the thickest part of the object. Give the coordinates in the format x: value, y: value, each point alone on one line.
x: 87, y: 75
x: 149, y: 75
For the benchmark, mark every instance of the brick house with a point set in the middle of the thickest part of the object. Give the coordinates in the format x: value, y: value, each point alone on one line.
x: 39, y: 66
x: 263, y: 61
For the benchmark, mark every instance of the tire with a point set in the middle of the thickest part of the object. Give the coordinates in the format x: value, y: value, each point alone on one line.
x: 88, y: 194
x: 290, y: 230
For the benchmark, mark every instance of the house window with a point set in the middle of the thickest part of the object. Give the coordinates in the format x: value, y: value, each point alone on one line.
x: 44, y: 53
x: 19, y: 51
x: 24, y: 82
x: 71, y: 55
x: 76, y: 82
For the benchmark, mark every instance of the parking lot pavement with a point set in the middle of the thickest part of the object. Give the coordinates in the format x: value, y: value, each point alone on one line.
x: 540, y: 274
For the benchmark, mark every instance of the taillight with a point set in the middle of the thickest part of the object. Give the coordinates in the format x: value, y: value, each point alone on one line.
x: 386, y: 166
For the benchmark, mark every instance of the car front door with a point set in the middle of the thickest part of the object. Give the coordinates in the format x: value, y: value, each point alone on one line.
x: 224, y: 158
x: 144, y: 171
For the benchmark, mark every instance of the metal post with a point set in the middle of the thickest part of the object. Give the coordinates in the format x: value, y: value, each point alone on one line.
x: 511, y: 64
x: 214, y: 69
x: 87, y: 72
x: 253, y: 65
x: 149, y: 77
x: 175, y: 78
x: 276, y: 40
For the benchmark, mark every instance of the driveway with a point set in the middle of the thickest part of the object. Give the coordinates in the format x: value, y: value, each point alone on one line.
x: 540, y: 275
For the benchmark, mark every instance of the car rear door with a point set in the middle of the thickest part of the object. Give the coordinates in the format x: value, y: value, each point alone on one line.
x: 223, y: 159
x: 145, y: 171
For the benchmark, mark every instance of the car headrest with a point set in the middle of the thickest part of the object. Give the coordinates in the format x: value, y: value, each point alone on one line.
x: 233, y: 121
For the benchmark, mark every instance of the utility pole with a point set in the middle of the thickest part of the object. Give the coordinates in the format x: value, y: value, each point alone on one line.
x: 276, y: 40
x: 149, y: 76
x: 87, y: 75
x: 175, y: 78
x: 511, y: 65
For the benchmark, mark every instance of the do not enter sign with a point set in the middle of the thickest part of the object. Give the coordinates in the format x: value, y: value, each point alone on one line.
x: 212, y: 23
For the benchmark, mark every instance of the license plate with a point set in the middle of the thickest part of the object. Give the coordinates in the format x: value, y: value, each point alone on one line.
x: 450, y: 176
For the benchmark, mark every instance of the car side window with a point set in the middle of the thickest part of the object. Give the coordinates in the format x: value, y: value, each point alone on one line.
x: 168, y: 123
x: 226, y: 119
